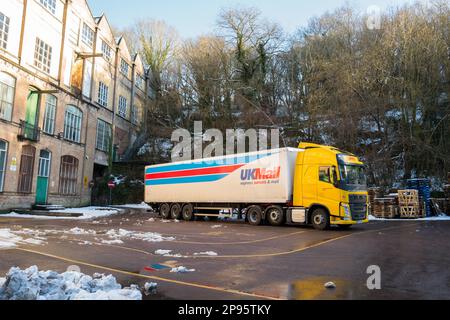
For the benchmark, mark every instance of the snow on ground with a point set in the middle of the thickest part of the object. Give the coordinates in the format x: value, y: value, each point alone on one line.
x: 440, y: 218
x: 207, y: 253
x: 181, y: 269
x: 10, y: 239
x: 142, y: 205
x: 87, y: 213
x: 32, y: 284
x: 136, y: 235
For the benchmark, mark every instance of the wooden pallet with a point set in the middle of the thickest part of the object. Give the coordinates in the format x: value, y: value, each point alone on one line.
x: 408, y: 198
x: 410, y: 212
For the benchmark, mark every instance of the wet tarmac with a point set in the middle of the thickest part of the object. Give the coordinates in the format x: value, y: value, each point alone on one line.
x: 233, y: 260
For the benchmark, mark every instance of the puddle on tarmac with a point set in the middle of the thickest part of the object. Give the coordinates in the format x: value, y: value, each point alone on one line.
x: 314, y: 289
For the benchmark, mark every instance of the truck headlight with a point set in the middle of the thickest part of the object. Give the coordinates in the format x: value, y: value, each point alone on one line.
x: 345, y: 210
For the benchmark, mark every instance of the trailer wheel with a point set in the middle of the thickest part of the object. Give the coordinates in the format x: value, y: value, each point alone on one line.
x: 275, y: 215
x: 164, y: 211
x: 175, y: 211
x: 254, y: 215
x: 188, y: 212
x: 320, y: 219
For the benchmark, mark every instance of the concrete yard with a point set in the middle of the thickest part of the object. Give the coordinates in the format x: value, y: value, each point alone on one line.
x: 233, y: 260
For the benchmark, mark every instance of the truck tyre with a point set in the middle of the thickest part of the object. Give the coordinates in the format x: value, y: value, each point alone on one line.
x: 275, y: 215
x: 175, y: 211
x: 164, y: 211
x: 320, y: 219
x: 188, y: 212
x: 254, y: 215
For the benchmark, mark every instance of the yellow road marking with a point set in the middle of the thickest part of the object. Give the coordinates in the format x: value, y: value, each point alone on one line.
x: 240, y: 242
x: 189, y: 284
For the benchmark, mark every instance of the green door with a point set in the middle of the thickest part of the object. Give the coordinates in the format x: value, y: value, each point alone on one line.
x: 43, y: 176
x: 31, y: 113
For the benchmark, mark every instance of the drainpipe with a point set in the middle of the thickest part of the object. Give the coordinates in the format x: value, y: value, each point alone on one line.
x: 63, y: 40
x: 116, y: 67
x: 22, y: 30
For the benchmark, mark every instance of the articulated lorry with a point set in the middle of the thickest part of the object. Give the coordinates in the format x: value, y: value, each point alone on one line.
x: 314, y: 184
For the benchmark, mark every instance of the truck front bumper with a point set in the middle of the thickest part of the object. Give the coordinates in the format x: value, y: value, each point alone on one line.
x: 340, y: 221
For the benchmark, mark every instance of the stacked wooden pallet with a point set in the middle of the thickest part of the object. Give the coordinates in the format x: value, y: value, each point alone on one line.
x: 409, y: 203
x: 386, y: 208
x: 374, y: 193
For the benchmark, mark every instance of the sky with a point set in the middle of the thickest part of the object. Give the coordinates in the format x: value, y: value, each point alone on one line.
x: 198, y: 17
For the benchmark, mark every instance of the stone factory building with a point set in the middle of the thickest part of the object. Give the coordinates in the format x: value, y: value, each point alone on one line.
x: 72, y: 100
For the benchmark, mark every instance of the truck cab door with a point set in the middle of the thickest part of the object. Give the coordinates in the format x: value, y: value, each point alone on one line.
x: 327, y: 193
x: 309, y: 185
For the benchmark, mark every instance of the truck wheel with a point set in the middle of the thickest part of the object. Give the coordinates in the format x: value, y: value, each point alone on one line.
x: 275, y: 215
x: 175, y: 211
x: 164, y: 211
x: 254, y: 215
x: 320, y: 219
x: 187, y: 212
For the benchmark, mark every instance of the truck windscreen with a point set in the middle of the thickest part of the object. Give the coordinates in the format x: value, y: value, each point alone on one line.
x: 353, y: 177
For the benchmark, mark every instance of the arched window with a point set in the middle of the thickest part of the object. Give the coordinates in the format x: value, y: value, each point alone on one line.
x: 3, y: 155
x: 72, y: 124
x: 7, y: 90
x: 68, y: 175
x: 26, y: 169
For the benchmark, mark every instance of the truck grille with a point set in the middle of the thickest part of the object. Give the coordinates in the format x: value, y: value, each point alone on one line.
x: 358, y: 206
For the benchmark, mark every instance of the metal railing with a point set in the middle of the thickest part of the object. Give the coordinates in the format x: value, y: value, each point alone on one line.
x: 29, y: 131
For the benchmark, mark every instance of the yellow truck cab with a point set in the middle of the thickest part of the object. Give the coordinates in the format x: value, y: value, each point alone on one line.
x: 331, y: 184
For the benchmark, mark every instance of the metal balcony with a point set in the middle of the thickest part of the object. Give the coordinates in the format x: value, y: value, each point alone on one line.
x: 29, y: 132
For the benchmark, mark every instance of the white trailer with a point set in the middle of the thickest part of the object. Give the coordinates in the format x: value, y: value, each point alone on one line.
x: 208, y: 185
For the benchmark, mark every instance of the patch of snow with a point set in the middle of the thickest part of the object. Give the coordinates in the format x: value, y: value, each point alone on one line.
x: 86, y: 214
x: 146, y: 148
x: 34, y: 241
x: 142, y: 205
x: 144, y: 236
x: 80, y: 231
x: 217, y: 226
x: 181, y: 269
x: 330, y: 285
x: 32, y: 284
x: 151, y: 220
x: 150, y: 288
x: 116, y: 241
x: 162, y: 252
x: 207, y: 253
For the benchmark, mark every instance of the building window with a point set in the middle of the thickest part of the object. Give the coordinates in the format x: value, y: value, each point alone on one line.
x: 7, y: 90
x: 87, y: 35
x: 103, y: 94
x: 106, y: 50
x: 44, y: 164
x: 50, y: 5
x: 139, y: 81
x: 103, y: 135
x: 124, y: 67
x: 42, y: 56
x: 50, y: 114
x: 72, y: 124
x: 26, y: 169
x: 134, y: 114
x: 122, y: 107
x: 68, y: 176
x: 3, y: 153
x: 4, y: 31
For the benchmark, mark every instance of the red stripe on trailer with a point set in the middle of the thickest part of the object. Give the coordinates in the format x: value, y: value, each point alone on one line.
x: 195, y: 172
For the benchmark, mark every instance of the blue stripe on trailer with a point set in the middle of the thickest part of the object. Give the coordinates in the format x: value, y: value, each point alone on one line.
x: 185, y: 180
x: 207, y: 164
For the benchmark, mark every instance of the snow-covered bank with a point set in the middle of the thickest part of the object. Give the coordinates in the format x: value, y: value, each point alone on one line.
x: 10, y: 239
x: 86, y: 214
x: 440, y: 218
x: 142, y: 206
x: 32, y: 284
